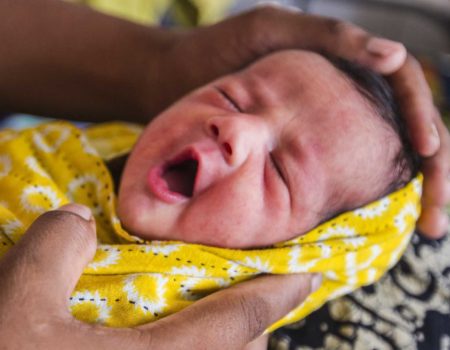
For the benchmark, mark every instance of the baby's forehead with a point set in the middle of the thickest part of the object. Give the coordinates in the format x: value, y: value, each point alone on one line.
x: 301, y: 80
x: 296, y: 63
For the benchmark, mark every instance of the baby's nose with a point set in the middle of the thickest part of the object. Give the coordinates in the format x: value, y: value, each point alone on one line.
x: 236, y: 136
x: 225, y: 145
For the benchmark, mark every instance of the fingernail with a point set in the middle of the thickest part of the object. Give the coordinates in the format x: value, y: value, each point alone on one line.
x: 383, y: 47
x: 316, y: 282
x: 78, y: 209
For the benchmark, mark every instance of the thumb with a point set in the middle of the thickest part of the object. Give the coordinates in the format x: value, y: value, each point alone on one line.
x: 52, y: 254
x: 235, y: 316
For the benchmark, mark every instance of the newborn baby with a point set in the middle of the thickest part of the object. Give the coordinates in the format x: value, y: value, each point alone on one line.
x: 265, y: 154
x: 252, y: 159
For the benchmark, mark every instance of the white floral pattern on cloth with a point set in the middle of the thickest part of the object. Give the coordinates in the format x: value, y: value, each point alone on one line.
x: 131, y: 281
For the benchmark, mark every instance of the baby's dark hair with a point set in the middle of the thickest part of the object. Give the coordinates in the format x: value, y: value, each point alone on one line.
x: 379, y: 94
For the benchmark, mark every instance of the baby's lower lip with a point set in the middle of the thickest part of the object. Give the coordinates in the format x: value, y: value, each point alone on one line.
x: 159, y: 187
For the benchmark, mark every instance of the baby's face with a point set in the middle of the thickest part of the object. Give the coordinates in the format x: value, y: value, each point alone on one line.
x: 256, y: 157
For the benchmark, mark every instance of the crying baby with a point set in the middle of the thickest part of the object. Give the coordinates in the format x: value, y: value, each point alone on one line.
x: 266, y: 154
x: 255, y: 160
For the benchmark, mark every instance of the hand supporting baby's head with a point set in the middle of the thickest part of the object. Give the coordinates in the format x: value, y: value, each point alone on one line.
x: 405, y: 164
x: 265, y: 154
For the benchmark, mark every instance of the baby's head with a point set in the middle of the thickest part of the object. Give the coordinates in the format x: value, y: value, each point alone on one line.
x: 266, y: 154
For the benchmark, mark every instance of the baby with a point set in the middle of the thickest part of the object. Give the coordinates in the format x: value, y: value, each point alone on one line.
x: 265, y: 154
x: 250, y: 160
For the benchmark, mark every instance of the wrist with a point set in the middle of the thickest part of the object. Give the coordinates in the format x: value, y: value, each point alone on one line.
x: 152, y: 73
x: 161, y: 78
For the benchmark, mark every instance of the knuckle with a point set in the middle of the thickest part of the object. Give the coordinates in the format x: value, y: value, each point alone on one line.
x: 335, y: 27
x: 41, y: 329
x: 436, y: 168
x: 143, y: 338
x: 341, y: 36
x: 413, y: 62
x: 254, y: 311
x: 71, y: 225
x: 254, y: 36
x: 254, y: 20
x: 264, y: 26
x: 14, y: 321
x: 59, y: 218
x: 261, y: 15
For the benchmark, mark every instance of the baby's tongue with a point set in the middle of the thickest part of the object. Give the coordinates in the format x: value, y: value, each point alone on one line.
x: 180, y: 177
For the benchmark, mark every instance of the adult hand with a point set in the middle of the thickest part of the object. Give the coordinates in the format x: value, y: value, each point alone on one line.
x: 431, y: 139
x: 75, y: 62
x: 206, y: 53
x: 38, y: 275
x: 197, y: 56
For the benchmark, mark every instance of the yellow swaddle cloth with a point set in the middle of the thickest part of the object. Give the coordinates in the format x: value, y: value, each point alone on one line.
x: 131, y: 282
x: 152, y: 12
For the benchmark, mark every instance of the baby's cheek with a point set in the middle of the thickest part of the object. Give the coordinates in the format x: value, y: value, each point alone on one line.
x: 223, y: 221
x: 131, y: 212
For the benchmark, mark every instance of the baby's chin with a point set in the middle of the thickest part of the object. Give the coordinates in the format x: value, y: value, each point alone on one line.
x: 143, y: 226
x: 150, y: 219
x: 140, y: 218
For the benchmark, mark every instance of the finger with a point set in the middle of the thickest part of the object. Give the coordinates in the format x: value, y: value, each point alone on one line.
x: 232, y: 318
x: 433, y: 223
x: 229, y: 319
x: 436, y: 170
x: 416, y: 103
x: 326, y: 35
x: 52, y: 254
x: 351, y: 42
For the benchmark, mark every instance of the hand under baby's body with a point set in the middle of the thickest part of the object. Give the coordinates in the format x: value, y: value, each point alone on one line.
x: 39, y: 273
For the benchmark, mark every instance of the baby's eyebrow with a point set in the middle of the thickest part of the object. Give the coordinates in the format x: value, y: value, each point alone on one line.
x: 260, y: 92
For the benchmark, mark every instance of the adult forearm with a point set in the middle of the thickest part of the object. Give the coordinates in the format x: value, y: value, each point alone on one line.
x: 65, y: 60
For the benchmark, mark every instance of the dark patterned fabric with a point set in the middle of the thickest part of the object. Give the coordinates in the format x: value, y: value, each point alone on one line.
x: 409, y: 308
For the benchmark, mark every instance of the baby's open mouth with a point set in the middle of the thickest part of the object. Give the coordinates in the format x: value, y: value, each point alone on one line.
x: 180, y: 176
x: 175, y: 180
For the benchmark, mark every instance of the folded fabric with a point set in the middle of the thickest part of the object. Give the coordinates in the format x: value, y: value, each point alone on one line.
x: 130, y: 281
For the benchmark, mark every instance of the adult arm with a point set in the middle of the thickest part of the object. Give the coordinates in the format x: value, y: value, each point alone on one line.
x: 38, y: 275
x: 66, y: 60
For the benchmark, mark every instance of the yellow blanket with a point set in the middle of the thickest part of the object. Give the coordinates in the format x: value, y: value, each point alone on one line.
x: 151, y: 12
x: 131, y: 282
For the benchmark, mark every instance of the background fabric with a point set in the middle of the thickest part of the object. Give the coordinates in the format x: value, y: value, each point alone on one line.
x: 409, y: 308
